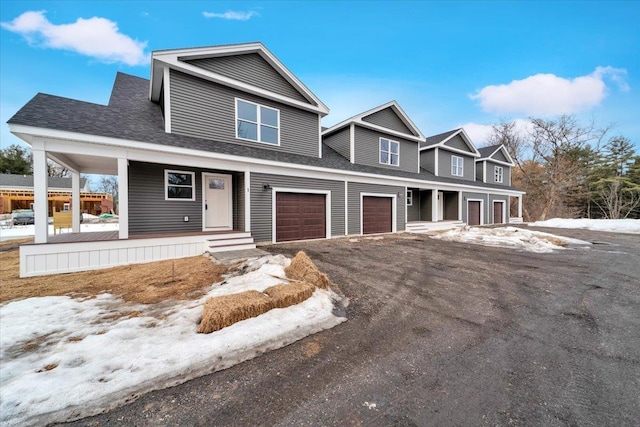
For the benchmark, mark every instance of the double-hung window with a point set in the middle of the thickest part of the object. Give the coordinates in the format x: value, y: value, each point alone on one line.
x: 179, y: 185
x: 255, y: 122
x: 409, y: 197
x: 389, y: 152
x: 497, y: 173
x: 457, y: 166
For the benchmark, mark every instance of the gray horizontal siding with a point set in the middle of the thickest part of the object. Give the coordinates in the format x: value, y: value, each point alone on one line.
x: 252, y: 69
x: 149, y: 212
x: 499, y: 156
x: 458, y: 142
x: 506, y: 174
x: 354, y: 190
x: 479, y: 171
x: 387, y: 118
x: 367, y: 150
x: 413, y: 211
x: 261, y: 203
x: 206, y: 110
x: 428, y: 160
x: 444, y: 165
x: 341, y: 142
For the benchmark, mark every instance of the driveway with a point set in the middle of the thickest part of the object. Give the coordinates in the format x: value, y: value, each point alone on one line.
x: 441, y: 333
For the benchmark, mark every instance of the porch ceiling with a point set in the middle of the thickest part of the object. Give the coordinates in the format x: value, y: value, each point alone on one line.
x: 84, y: 163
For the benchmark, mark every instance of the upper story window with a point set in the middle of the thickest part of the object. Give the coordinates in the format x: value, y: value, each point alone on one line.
x: 409, y: 197
x: 255, y: 122
x: 497, y: 173
x: 457, y: 166
x: 179, y: 185
x: 389, y: 152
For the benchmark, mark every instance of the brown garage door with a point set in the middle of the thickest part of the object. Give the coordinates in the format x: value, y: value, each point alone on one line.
x: 497, y: 213
x: 300, y: 216
x: 473, y: 213
x: 376, y: 215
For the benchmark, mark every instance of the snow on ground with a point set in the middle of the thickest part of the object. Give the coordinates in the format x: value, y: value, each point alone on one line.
x: 510, y: 237
x: 21, y: 231
x: 612, y: 225
x: 63, y: 358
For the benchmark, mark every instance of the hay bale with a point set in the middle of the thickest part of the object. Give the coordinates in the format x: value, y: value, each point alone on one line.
x: 286, y: 295
x: 226, y: 310
x: 304, y: 270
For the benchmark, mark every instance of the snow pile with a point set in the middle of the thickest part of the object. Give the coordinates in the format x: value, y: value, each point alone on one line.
x: 64, y: 358
x: 509, y: 237
x: 611, y: 225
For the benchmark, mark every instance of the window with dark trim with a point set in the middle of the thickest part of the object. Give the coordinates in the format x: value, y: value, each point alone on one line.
x: 179, y: 185
x: 255, y: 122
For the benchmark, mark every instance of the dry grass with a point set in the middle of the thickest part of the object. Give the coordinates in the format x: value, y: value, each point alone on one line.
x: 555, y: 241
x: 223, y: 311
x: 284, y: 295
x: 304, y: 270
x: 149, y: 283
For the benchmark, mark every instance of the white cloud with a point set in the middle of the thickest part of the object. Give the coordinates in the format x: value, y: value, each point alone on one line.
x: 479, y: 133
x: 548, y: 94
x: 232, y: 15
x: 96, y: 37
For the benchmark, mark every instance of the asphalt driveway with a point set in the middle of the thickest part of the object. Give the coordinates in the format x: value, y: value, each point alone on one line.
x: 441, y: 333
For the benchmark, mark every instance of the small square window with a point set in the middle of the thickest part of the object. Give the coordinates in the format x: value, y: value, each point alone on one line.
x: 179, y: 185
x: 389, y: 152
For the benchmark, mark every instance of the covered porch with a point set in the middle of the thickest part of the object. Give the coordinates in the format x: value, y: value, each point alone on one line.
x: 433, y: 205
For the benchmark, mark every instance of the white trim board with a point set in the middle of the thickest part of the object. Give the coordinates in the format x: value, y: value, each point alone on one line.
x: 481, y: 209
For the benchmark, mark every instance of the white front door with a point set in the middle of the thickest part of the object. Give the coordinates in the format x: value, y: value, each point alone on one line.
x: 217, y: 201
x: 440, y: 205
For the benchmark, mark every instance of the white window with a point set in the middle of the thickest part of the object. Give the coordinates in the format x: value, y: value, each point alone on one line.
x: 258, y: 123
x: 457, y: 166
x: 66, y: 207
x: 497, y: 173
x: 409, y: 197
x: 179, y: 185
x: 389, y: 152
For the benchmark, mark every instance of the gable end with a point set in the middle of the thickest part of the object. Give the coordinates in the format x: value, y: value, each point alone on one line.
x: 389, y: 119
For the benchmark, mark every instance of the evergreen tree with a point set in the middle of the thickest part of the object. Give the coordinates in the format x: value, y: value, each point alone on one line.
x: 16, y: 160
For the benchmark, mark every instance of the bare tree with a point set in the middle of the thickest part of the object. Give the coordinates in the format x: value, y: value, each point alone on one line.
x: 54, y: 169
x: 618, y: 198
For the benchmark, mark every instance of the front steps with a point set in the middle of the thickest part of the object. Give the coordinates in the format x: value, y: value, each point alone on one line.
x: 227, y: 242
x: 427, y: 226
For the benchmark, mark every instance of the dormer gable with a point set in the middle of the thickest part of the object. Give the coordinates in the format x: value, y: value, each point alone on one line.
x: 497, y: 154
x: 249, y: 67
x: 455, y: 140
x: 389, y: 118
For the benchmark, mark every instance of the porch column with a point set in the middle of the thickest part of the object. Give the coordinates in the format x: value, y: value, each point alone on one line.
x: 459, y: 205
x: 520, y: 206
x: 247, y: 201
x: 40, y: 196
x: 123, y: 198
x: 434, y: 205
x: 75, y: 202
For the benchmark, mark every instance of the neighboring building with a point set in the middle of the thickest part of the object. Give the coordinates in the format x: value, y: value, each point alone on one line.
x: 226, y: 141
x: 16, y: 192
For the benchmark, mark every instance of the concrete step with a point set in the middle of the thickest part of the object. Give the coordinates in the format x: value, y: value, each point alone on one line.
x: 230, y: 248
x: 226, y: 242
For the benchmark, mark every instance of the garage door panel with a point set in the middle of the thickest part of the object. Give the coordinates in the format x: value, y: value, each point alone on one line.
x: 377, y: 215
x: 497, y: 213
x: 300, y: 216
x: 473, y: 213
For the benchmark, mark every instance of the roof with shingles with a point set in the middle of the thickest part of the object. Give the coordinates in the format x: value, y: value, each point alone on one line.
x: 131, y: 116
x: 488, y: 151
x: 436, y: 139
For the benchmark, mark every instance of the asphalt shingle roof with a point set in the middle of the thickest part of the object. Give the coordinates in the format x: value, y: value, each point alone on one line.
x: 487, y: 151
x: 130, y: 115
x: 436, y: 139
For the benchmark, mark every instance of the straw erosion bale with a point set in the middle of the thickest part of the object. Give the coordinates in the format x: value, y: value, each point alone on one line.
x: 225, y: 310
x: 286, y: 295
x: 304, y: 270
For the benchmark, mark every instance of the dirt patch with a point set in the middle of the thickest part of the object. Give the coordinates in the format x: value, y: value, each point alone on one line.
x: 150, y: 283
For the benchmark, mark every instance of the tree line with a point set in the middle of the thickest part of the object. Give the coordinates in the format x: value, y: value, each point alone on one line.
x: 570, y: 169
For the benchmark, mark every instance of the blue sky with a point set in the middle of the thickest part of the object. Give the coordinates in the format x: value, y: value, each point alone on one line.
x: 448, y: 64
